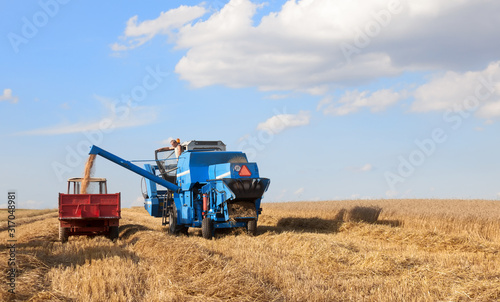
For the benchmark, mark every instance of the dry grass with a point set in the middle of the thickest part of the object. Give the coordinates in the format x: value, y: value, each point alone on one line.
x: 417, y: 250
x: 25, y: 216
x: 25, y: 213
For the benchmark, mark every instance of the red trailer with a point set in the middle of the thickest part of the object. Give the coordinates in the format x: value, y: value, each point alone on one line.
x: 88, y: 214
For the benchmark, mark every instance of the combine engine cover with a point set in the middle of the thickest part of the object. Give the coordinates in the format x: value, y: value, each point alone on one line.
x: 204, y: 145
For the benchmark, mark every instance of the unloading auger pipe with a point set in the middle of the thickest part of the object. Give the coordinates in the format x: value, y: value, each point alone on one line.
x: 130, y: 166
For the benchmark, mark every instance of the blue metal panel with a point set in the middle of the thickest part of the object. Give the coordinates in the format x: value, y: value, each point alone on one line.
x: 193, y: 166
x: 187, y: 215
x: 252, y: 167
x: 155, y: 199
x: 232, y: 170
x: 152, y: 205
x: 178, y: 204
x: 230, y: 224
x: 147, y: 205
x: 220, y: 171
x: 150, y: 185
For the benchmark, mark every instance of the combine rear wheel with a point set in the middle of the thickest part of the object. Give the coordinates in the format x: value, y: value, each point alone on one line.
x: 252, y: 227
x: 63, y: 234
x: 206, y: 228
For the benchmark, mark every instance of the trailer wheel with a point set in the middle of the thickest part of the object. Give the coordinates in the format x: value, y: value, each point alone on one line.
x: 113, y: 233
x: 252, y: 227
x: 63, y: 234
x: 206, y: 228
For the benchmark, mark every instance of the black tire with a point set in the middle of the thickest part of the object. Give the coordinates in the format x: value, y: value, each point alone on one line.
x: 172, y: 220
x: 207, y: 228
x: 173, y: 227
x: 252, y: 227
x: 113, y: 233
x: 63, y: 234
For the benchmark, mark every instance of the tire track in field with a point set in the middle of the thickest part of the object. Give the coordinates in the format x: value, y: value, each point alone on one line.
x: 191, y: 266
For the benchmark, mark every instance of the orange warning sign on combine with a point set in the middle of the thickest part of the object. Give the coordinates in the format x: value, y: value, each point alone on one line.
x: 245, y: 172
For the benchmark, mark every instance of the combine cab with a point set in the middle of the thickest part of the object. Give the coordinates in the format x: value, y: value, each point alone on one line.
x: 88, y: 214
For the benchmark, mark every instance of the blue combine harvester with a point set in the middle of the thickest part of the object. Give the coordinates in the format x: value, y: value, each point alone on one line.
x: 207, y: 187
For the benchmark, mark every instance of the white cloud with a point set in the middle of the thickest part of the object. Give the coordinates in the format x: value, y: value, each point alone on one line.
x: 26, y: 204
x: 280, y: 197
x: 490, y: 110
x: 462, y: 91
x: 31, y: 204
x: 391, y: 194
x: 431, y: 7
x: 280, y: 122
x: 366, y: 168
x: 296, y: 48
x: 244, y: 137
x: 277, y: 96
x: 300, y: 47
x: 117, y: 117
x: 138, y: 202
x: 453, y: 88
x: 299, y: 191
x: 353, y: 101
x: 7, y: 96
x: 316, y: 90
x: 324, y: 101
x: 137, y: 34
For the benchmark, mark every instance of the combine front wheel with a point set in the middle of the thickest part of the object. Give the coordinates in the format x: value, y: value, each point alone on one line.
x: 174, y: 228
x: 206, y: 228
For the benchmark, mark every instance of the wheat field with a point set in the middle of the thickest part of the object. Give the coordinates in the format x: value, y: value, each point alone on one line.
x: 417, y: 250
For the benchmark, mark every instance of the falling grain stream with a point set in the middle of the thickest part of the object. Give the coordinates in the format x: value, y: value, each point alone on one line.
x: 88, y: 169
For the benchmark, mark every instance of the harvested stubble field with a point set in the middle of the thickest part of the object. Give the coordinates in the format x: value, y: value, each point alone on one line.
x: 418, y: 250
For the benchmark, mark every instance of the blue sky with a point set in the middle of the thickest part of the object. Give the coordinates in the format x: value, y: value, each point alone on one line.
x: 333, y: 99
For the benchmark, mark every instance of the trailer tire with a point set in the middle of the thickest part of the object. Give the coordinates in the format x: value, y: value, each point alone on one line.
x: 207, y: 228
x: 113, y: 233
x: 252, y: 227
x: 63, y: 234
